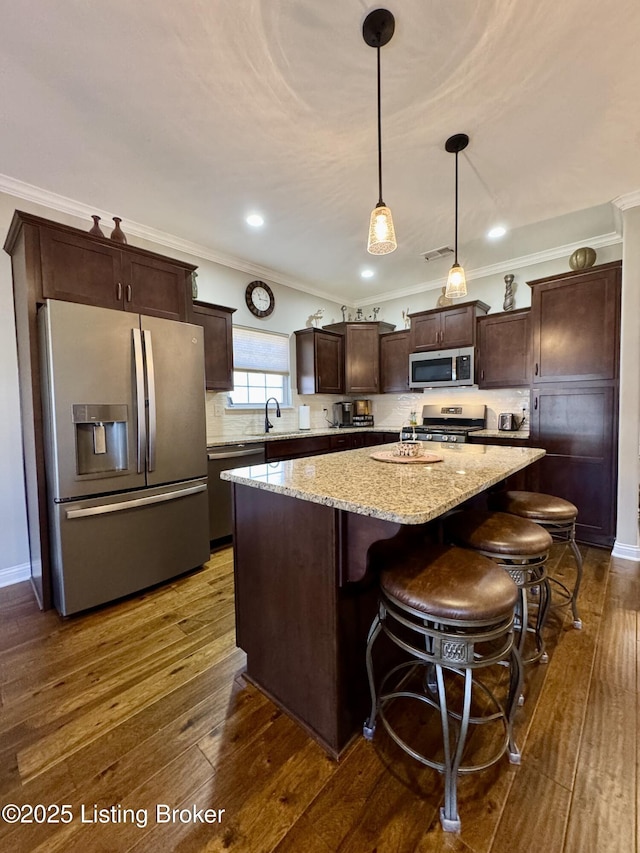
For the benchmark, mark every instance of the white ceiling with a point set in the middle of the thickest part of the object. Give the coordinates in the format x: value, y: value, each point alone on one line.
x: 186, y: 116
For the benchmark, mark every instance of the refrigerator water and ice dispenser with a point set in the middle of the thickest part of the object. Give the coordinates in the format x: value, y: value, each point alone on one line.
x: 101, y: 433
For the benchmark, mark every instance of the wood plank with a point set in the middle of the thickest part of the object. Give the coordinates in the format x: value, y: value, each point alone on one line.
x: 70, y: 737
x: 604, y: 807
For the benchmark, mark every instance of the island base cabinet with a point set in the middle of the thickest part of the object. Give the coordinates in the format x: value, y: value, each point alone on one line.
x: 304, y: 633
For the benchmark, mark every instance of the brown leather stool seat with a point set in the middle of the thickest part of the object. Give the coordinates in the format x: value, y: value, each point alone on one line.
x: 451, y: 611
x: 558, y: 516
x: 521, y: 547
x: 470, y: 587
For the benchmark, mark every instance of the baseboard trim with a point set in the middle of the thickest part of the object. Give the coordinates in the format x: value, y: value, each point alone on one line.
x: 15, y: 574
x: 626, y: 552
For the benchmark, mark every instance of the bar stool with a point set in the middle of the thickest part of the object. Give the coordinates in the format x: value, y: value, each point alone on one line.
x: 558, y: 517
x: 521, y: 547
x: 452, y: 612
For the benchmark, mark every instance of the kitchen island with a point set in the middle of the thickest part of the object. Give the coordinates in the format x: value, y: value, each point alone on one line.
x: 310, y: 536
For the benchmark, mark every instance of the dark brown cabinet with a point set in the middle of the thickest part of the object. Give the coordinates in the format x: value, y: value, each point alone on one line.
x: 504, y: 346
x: 577, y: 424
x: 361, y: 355
x: 394, y: 362
x: 575, y: 325
x: 314, y: 445
x: 218, y: 344
x: 78, y: 267
x: 441, y: 328
x: 51, y: 260
x: 319, y: 362
x: 575, y: 322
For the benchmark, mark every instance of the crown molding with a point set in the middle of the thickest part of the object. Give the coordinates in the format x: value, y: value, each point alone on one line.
x: 628, y: 200
x: 71, y: 207
x: 556, y: 253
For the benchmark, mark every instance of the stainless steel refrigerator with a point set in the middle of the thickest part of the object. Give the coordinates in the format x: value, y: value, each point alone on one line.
x: 125, y: 447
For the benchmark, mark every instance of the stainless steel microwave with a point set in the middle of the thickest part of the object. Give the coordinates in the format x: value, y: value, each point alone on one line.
x: 442, y: 368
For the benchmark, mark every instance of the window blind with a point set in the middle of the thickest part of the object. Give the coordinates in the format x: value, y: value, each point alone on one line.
x: 264, y: 352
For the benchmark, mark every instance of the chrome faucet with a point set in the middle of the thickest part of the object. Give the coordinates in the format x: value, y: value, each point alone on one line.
x: 267, y: 423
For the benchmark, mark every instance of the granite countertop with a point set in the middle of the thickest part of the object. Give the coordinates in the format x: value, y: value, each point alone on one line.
x: 259, y: 438
x: 410, y: 493
x: 517, y: 435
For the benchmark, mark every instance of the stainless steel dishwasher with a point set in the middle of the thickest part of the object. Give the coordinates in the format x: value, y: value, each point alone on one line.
x: 222, y: 458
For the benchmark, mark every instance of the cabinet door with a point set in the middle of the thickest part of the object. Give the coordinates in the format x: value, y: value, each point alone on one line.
x: 394, y: 362
x: 503, y: 350
x: 425, y: 332
x: 576, y: 425
x: 362, y: 357
x: 575, y: 326
x: 218, y: 345
x: 78, y: 269
x: 457, y: 327
x: 329, y: 358
x: 155, y: 287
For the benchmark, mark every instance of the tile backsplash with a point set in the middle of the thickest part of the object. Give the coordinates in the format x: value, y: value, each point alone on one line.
x: 389, y: 410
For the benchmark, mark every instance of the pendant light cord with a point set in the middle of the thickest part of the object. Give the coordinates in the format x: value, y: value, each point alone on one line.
x: 456, y: 226
x: 380, y: 201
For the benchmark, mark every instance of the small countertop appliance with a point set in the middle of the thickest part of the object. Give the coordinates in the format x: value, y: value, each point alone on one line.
x: 508, y: 422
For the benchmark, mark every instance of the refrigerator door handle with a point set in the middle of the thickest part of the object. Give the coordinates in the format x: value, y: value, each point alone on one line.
x: 151, y: 393
x: 103, y: 509
x: 140, y: 399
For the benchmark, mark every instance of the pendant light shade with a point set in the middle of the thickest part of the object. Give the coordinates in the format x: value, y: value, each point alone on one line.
x: 456, y: 282
x: 382, y: 235
x: 377, y: 31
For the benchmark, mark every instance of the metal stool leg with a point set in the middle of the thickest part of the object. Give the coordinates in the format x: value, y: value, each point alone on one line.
x: 577, y: 621
x: 449, y: 818
x: 369, y: 727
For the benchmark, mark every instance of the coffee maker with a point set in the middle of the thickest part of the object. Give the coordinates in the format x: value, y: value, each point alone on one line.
x: 343, y: 413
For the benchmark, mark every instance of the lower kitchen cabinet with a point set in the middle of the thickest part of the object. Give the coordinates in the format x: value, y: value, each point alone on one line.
x: 577, y: 426
x: 218, y: 344
x: 295, y: 448
x: 313, y: 445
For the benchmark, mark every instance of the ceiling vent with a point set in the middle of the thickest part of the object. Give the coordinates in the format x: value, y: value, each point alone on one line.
x: 434, y: 254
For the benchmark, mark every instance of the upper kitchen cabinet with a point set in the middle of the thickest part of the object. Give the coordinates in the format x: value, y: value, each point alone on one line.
x: 444, y: 328
x: 575, y: 325
x: 319, y: 361
x: 218, y: 344
x: 394, y: 362
x: 361, y: 355
x: 504, y: 345
x: 75, y: 266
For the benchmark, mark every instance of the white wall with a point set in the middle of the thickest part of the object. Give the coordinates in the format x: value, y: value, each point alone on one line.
x: 627, y: 543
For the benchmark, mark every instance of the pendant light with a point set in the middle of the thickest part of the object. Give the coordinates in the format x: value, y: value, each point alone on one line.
x: 456, y: 282
x: 377, y: 30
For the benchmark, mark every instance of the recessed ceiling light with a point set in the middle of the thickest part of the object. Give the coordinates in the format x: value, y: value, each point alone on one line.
x: 367, y: 273
x: 255, y: 220
x: 495, y: 233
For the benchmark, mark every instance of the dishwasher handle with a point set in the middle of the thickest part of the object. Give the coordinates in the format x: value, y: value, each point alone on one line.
x: 234, y: 454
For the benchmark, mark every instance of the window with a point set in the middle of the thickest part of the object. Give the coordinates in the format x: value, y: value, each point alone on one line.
x: 261, y: 368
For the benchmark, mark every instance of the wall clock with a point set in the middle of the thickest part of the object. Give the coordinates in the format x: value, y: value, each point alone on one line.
x: 260, y: 299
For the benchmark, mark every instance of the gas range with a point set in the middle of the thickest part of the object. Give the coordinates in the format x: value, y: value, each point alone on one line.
x: 448, y: 423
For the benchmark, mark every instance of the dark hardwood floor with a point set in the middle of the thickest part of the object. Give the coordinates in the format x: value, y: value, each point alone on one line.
x: 144, y: 703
